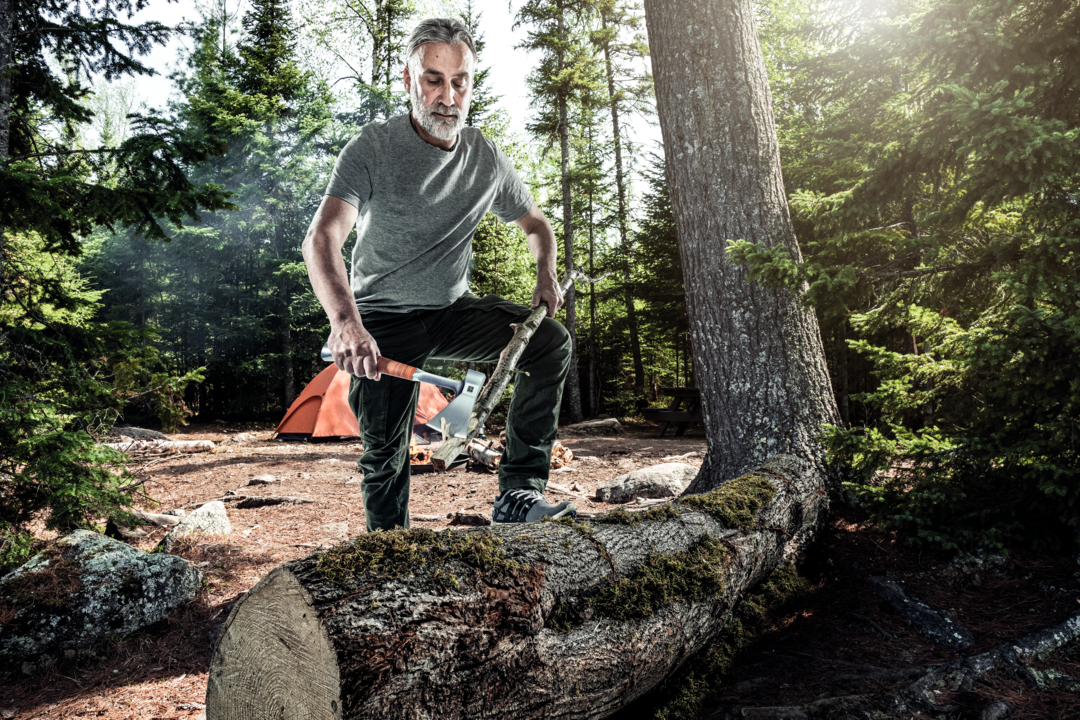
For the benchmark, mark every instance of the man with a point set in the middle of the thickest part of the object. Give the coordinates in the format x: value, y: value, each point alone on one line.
x: 416, y: 186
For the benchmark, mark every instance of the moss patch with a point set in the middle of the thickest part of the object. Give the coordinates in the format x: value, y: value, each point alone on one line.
x: 396, y: 553
x: 624, y: 517
x: 691, y: 575
x: 682, y: 696
x: 735, y: 503
x: 561, y: 619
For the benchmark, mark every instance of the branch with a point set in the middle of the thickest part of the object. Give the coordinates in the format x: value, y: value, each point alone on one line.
x: 921, y: 272
x: 57, y: 153
x: 496, y: 385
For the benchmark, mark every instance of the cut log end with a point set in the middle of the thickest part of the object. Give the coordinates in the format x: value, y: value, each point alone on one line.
x: 274, y: 659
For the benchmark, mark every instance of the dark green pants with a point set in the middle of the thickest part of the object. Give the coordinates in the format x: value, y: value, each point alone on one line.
x: 472, y: 329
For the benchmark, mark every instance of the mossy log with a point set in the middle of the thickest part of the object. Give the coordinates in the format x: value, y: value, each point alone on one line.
x: 549, y: 620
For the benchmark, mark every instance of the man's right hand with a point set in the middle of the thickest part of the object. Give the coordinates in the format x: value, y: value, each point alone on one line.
x: 354, y: 350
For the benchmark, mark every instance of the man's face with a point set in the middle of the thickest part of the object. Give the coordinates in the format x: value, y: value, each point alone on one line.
x: 440, y: 88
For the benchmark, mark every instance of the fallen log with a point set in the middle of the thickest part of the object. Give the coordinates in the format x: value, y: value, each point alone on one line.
x: 553, y: 619
x: 166, y: 447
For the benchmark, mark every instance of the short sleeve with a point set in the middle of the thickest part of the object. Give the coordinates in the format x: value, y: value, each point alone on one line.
x: 512, y: 198
x: 351, y: 179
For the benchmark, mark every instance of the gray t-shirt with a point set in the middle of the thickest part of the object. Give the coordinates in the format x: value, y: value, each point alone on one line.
x: 419, y: 207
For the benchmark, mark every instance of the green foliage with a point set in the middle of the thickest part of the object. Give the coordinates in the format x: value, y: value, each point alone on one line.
x: 232, y: 291
x: 64, y: 379
x: 931, y: 159
x: 64, y: 375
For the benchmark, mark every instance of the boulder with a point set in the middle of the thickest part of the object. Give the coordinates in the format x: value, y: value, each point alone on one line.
x: 241, y: 439
x: 209, y: 519
x: 659, y: 481
x: 83, y: 588
x: 609, y: 426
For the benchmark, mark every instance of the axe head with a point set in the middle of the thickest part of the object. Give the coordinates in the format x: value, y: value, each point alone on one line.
x: 456, y: 415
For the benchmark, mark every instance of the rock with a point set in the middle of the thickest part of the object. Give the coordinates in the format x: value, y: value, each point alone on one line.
x: 264, y: 480
x: 659, y: 481
x: 210, y: 519
x: 609, y: 426
x: 84, y: 588
x: 176, y: 512
x: 241, y: 439
x: 139, y: 433
x: 169, y: 518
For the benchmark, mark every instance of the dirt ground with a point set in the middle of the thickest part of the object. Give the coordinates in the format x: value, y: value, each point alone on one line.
x: 161, y: 671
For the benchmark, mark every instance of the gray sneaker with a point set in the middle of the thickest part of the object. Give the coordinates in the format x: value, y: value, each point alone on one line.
x: 526, y: 505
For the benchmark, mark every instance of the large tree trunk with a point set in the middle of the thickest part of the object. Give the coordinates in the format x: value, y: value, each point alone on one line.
x: 549, y: 620
x: 7, y: 28
x: 757, y: 354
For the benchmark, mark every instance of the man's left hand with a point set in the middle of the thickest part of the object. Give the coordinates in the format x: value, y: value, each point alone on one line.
x: 547, y: 290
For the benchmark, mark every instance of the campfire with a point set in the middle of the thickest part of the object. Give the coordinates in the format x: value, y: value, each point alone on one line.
x: 419, y: 455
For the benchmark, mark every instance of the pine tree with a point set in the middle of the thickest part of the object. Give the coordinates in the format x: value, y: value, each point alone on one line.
x: 622, y: 91
x: 483, y: 101
x: 231, y: 290
x: 64, y: 374
x: 565, y: 74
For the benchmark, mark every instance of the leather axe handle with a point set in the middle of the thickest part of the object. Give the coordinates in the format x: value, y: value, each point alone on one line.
x: 386, y: 365
x: 395, y: 368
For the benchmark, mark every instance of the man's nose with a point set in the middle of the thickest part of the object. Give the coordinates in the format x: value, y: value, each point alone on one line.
x: 446, y: 93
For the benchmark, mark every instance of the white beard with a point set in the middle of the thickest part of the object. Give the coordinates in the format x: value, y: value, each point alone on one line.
x: 437, y: 127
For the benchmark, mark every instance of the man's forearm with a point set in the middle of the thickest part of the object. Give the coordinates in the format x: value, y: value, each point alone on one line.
x: 542, y: 245
x: 329, y: 279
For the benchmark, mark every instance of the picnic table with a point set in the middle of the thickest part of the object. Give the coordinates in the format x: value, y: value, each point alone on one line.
x: 684, y: 409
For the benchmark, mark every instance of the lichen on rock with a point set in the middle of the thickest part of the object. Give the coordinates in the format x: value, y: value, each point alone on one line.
x: 84, y: 588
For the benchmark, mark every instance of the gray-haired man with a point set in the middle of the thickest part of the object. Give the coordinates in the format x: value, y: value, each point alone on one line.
x: 416, y: 186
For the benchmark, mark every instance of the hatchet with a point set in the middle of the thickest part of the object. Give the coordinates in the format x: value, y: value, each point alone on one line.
x: 455, y: 416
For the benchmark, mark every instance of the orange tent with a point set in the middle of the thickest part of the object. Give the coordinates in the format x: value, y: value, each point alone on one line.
x: 322, y: 411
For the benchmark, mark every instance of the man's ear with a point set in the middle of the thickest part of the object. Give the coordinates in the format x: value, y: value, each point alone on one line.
x: 407, y: 80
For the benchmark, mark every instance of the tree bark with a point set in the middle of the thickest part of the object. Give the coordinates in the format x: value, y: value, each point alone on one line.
x: 401, y: 625
x: 758, y: 356
x: 6, y: 68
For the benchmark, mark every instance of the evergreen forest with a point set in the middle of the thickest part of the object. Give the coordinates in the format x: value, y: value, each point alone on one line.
x: 150, y: 266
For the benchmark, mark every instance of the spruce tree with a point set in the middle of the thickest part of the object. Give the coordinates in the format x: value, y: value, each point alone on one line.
x: 64, y: 375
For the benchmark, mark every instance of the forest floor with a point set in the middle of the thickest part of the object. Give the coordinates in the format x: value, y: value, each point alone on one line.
x: 161, y: 672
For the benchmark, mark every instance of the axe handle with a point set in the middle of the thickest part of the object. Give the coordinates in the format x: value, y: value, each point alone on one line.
x: 395, y: 368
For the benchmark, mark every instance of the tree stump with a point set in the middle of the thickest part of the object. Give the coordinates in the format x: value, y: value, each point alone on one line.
x: 553, y: 619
